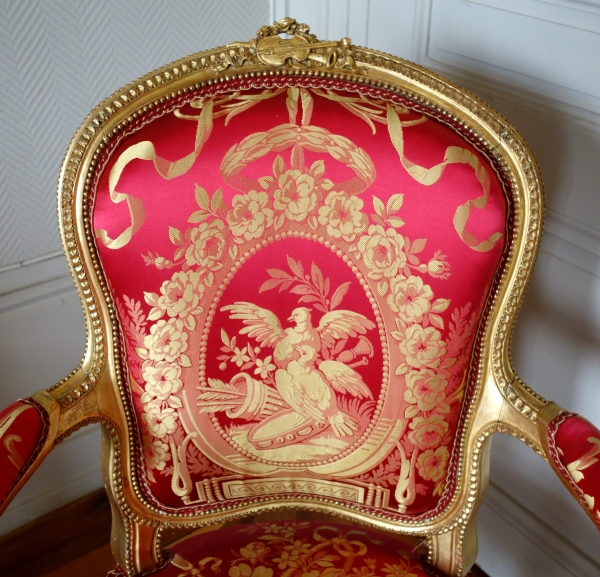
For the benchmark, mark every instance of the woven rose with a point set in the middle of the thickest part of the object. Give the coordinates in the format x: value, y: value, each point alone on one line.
x: 382, y: 251
x: 423, y: 347
x: 162, y: 378
x: 180, y: 295
x: 160, y: 422
x: 342, y: 215
x: 208, y: 245
x: 425, y: 389
x: 410, y: 298
x: 298, y: 192
x: 432, y: 464
x: 167, y: 340
x: 428, y: 432
x: 250, y: 215
x: 156, y: 454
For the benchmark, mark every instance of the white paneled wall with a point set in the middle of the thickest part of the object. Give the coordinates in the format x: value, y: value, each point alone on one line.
x: 41, y: 339
x: 536, y: 61
x: 541, y: 46
x: 58, y: 59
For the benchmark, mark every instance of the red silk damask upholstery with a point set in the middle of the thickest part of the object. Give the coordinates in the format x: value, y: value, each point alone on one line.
x: 293, y: 549
x: 575, y: 449
x: 300, y: 263
x: 300, y: 273
x: 23, y: 431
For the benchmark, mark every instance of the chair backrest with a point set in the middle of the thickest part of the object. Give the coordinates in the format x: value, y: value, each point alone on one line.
x: 300, y: 263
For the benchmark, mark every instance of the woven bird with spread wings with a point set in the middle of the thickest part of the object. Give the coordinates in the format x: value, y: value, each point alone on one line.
x: 307, y: 375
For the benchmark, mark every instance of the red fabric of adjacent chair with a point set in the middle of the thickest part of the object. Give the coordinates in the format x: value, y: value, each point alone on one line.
x: 575, y: 448
x: 23, y: 430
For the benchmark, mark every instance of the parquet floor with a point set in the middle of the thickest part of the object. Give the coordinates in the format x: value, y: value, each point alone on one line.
x: 60, y: 539
x: 96, y: 563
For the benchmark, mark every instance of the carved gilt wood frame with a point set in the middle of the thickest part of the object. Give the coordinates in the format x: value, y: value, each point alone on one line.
x: 95, y: 391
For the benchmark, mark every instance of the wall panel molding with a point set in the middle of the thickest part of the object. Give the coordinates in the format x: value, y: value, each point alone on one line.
x: 531, y: 539
x: 29, y: 282
x: 330, y: 19
x: 483, y: 40
x: 553, y: 58
x: 35, y: 294
x: 572, y: 241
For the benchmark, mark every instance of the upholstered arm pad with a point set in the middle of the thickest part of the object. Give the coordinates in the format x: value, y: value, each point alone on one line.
x: 24, y: 428
x: 574, y: 447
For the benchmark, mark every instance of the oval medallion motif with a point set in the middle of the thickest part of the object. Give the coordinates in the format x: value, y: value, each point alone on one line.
x: 294, y: 358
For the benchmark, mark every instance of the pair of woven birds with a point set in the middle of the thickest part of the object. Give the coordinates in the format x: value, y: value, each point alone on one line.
x: 306, y: 377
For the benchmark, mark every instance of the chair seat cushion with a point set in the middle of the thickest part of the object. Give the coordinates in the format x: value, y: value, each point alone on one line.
x: 294, y: 549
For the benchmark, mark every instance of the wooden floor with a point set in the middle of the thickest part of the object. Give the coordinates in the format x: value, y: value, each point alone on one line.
x: 96, y: 563
x: 70, y: 542
x: 73, y: 541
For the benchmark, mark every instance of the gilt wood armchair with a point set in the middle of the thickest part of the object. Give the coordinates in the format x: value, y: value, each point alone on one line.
x: 300, y: 263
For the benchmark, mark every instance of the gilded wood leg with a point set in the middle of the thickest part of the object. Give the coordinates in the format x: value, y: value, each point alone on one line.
x: 454, y: 552
x: 134, y: 545
x: 143, y: 548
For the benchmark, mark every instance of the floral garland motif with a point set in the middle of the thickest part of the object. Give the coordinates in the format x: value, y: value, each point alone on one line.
x: 301, y: 197
x: 300, y: 137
